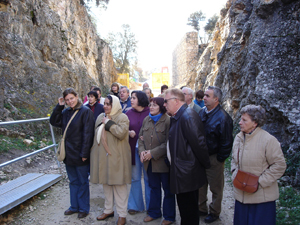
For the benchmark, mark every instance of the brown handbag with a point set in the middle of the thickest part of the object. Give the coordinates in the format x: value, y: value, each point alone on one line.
x: 245, y: 181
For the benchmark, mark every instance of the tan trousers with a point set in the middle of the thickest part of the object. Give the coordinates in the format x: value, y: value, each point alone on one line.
x: 215, y: 178
x: 120, y: 194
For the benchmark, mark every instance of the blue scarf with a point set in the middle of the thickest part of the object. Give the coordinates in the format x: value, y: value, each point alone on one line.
x: 155, y: 118
x: 200, y: 103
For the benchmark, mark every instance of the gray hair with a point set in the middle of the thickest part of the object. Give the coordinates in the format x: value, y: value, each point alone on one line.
x: 190, y: 91
x: 125, y: 87
x: 256, y: 113
x: 217, y: 92
x: 147, y: 89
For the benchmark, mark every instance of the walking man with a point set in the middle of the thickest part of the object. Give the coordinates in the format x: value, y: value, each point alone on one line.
x: 188, y: 155
x: 218, y: 130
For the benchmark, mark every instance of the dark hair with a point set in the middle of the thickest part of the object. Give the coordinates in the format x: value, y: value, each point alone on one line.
x: 110, y: 99
x: 97, y: 89
x: 142, y: 98
x: 93, y: 93
x: 159, y: 101
x: 115, y: 84
x: 199, y: 94
x: 163, y: 87
x: 69, y: 91
x: 182, y: 87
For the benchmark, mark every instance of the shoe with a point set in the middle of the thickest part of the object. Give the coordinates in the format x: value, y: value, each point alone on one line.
x: 211, y: 218
x: 148, y: 219
x: 69, y: 212
x: 167, y: 222
x: 202, y: 213
x: 132, y: 212
x: 82, y: 215
x: 121, y: 221
x: 103, y: 216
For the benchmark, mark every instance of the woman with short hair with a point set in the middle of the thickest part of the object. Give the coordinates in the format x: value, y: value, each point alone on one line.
x: 257, y: 152
x: 153, y: 138
x: 136, y: 115
x: 78, y: 142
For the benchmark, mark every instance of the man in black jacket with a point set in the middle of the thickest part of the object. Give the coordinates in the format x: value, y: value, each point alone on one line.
x: 218, y: 130
x: 188, y: 155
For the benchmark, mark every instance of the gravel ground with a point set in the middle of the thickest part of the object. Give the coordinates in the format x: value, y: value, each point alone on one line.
x: 48, y: 207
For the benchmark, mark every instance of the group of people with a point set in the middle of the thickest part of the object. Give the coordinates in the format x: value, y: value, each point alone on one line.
x: 176, y: 144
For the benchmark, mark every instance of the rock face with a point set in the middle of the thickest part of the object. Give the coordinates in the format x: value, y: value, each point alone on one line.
x: 254, y: 58
x: 45, y: 47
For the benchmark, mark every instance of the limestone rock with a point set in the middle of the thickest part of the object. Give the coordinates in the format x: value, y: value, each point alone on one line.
x: 27, y: 142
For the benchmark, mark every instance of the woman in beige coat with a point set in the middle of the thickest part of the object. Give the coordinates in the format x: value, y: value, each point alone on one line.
x: 257, y: 152
x: 111, y: 158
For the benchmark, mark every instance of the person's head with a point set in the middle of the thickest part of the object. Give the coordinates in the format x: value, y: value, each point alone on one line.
x: 252, y: 116
x: 174, y: 99
x: 156, y: 106
x: 115, y: 87
x: 145, y: 85
x: 148, y: 92
x: 212, y: 97
x: 92, y: 87
x: 124, y: 93
x: 98, y: 90
x: 112, y: 105
x: 139, y: 100
x: 71, y: 97
x: 188, y: 94
x: 92, y: 97
x: 163, y: 88
x: 199, y: 95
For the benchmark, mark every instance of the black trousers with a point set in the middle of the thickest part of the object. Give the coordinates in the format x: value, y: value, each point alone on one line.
x: 188, y: 207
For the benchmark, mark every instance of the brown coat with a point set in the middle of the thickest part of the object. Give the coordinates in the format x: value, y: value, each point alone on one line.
x: 114, y: 169
x: 261, y: 155
x: 158, y: 148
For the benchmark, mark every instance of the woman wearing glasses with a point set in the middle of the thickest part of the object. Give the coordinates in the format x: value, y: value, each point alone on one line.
x: 153, y: 151
x: 136, y: 115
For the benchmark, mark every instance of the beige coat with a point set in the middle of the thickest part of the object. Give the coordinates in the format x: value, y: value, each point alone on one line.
x: 260, y: 154
x: 114, y: 169
x: 158, y: 148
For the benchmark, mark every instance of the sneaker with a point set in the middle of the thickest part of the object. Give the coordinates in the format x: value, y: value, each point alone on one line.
x: 211, y: 218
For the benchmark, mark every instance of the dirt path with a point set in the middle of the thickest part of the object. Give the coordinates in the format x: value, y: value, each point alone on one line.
x: 48, y: 207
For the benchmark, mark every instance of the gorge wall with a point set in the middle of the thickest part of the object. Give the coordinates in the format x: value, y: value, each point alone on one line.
x: 254, y: 57
x: 45, y: 47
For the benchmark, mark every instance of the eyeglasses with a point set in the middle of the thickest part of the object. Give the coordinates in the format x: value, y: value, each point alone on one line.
x: 152, y: 105
x: 166, y: 100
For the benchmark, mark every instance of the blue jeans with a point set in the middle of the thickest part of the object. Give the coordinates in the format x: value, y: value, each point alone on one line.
x: 156, y: 180
x: 79, y: 188
x: 136, y: 200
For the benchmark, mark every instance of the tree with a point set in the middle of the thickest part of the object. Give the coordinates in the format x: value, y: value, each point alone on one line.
x: 99, y: 3
x: 194, y: 20
x: 123, y: 45
x: 210, y: 25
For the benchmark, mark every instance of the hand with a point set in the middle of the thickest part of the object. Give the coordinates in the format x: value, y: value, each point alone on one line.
x: 142, y: 157
x: 147, y: 155
x: 104, y: 120
x: 61, y: 101
x: 142, y: 138
x: 83, y: 159
x: 132, y: 133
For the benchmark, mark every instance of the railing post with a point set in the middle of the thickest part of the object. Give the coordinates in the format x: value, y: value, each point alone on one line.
x: 53, y: 141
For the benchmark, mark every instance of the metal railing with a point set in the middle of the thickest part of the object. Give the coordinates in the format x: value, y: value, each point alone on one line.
x: 37, y: 151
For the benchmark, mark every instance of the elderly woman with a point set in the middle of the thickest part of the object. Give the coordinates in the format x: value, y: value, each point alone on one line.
x: 111, y: 158
x: 153, y: 150
x: 78, y: 142
x: 136, y: 115
x: 257, y: 152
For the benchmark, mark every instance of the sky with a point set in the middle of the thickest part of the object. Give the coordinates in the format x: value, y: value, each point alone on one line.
x: 158, y: 25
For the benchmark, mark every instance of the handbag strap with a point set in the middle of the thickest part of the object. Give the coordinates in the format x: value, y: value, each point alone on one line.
x: 69, y: 123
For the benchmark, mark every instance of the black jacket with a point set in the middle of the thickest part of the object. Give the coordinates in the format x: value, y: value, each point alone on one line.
x: 188, y: 150
x: 80, y: 134
x: 97, y: 110
x: 218, y: 127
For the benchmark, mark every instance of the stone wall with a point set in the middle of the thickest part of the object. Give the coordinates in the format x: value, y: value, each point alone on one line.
x: 45, y: 47
x: 184, y: 59
x: 254, y: 58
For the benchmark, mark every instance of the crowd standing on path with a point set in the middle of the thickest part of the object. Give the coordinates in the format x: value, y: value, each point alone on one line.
x: 177, y: 145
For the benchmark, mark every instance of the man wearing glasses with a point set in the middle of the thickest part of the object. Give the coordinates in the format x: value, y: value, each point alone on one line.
x: 188, y: 155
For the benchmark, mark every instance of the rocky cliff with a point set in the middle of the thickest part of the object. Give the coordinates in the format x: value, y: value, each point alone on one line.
x: 254, y: 58
x: 45, y: 47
